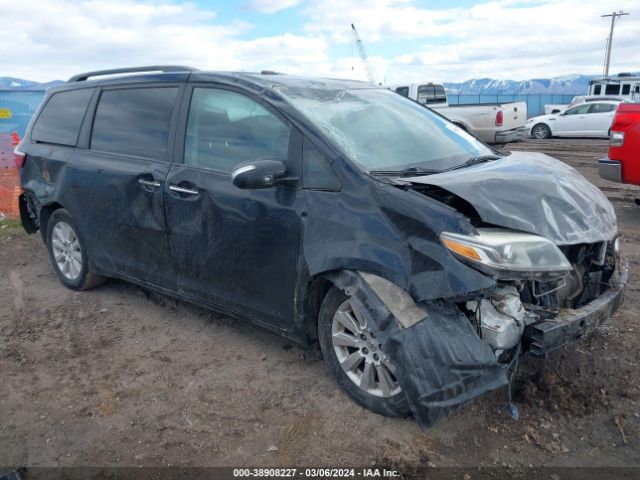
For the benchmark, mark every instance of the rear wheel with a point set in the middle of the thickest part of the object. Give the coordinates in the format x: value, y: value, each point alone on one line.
x: 541, y: 131
x: 353, y: 356
x: 67, y: 253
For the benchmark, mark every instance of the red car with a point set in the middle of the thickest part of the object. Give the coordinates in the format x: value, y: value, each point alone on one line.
x: 623, y: 163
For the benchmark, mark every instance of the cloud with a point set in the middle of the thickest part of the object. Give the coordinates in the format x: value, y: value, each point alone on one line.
x: 516, y: 39
x: 272, y: 6
x: 498, y: 39
x: 57, y: 38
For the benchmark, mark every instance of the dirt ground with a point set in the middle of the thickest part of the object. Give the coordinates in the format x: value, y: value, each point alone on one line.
x: 120, y: 376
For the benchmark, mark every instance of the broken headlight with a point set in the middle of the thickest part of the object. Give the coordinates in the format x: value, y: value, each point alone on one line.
x: 508, y: 255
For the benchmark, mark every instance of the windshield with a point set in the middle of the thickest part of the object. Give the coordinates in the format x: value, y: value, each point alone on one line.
x: 381, y: 130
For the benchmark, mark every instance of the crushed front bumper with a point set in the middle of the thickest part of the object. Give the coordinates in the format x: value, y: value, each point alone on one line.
x: 563, y: 326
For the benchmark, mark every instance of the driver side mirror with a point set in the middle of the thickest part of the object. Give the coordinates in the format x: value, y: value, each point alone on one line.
x: 259, y: 174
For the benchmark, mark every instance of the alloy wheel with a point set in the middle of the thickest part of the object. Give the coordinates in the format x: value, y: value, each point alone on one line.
x: 359, y: 353
x: 66, y: 250
x: 540, y: 131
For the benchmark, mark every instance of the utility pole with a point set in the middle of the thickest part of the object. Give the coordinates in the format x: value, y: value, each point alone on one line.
x: 608, y: 54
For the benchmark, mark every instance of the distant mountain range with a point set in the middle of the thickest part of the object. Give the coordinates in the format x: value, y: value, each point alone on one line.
x: 11, y: 83
x: 569, y: 84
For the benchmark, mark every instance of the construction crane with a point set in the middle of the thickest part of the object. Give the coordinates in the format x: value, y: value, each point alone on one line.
x: 363, y: 55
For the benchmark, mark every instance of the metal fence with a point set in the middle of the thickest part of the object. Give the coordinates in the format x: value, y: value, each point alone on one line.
x: 16, y: 109
x: 535, y: 101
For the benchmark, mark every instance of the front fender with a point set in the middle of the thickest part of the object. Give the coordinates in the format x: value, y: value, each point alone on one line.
x: 393, y: 234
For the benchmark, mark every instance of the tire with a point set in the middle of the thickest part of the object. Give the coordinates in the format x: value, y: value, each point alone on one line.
x: 540, y: 131
x: 68, y: 255
x: 389, y: 401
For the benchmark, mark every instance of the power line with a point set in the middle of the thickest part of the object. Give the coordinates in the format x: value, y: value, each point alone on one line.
x: 607, y: 57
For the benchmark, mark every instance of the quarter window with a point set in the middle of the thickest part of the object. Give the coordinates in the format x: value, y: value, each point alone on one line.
x: 61, y: 118
x: 227, y: 128
x: 134, y: 121
x: 597, y: 89
x: 317, y: 172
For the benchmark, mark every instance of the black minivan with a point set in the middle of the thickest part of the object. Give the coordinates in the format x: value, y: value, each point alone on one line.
x: 423, y: 262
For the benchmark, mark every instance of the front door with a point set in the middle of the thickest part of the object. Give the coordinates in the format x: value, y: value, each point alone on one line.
x: 237, y: 249
x: 117, y: 182
x: 573, y: 121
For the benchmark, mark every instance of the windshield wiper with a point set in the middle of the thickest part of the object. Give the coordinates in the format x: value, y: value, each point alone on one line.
x: 416, y: 171
x: 407, y: 172
x: 474, y: 161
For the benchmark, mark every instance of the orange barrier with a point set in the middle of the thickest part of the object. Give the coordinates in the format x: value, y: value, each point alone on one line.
x: 9, y: 177
x: 9, y: 192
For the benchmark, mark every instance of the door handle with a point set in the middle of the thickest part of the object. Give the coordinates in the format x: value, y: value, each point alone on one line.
x: 187, y: 191
x: 149, y: 183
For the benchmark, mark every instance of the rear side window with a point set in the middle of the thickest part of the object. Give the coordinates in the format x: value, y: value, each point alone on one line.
x: 626, y: 89
x: 404, y: 91
x: 612, y: 89
x: 602, y: 107
x: 227, y: 128
x: 61, y: 118
x: 134, y: 121
x: 597, y: 89
x: 431, y: 94
x: 582, y: 109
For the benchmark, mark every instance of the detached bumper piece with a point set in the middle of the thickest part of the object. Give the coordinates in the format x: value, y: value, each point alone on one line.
x: 564, y: 326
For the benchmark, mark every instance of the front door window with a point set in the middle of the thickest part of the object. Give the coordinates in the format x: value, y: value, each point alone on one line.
x: 226, y: 128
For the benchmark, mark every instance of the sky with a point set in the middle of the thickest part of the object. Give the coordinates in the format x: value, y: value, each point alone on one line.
x: 406, y: 40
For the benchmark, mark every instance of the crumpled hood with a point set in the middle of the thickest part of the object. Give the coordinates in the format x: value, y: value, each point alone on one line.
x: 535, y: 193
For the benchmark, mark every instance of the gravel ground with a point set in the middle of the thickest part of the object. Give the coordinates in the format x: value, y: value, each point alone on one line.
x: 121, y: 376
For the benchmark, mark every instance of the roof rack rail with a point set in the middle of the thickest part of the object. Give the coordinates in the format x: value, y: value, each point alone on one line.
x: 81, y: 77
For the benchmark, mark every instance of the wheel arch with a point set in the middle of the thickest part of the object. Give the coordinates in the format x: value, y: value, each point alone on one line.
x: 45, y: 214
x: 462, y: 126
x: 315, y: 293
x: 541, y: 123
x: 319, y: 285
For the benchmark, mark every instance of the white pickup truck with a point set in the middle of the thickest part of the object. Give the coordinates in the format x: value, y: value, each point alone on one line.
x: 490, y: 122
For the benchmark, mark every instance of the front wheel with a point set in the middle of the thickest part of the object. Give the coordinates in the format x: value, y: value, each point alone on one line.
x: 68, y: 254
x: 541, y: 131
x: 354, y: 357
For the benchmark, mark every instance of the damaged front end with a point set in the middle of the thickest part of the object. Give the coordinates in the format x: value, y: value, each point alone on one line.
x: 441, y: 362
x: 548, y: 240
x: 449, y: 352
x: 538, y: 284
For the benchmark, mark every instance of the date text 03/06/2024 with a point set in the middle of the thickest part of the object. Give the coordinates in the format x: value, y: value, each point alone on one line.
x: 267, y: 473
